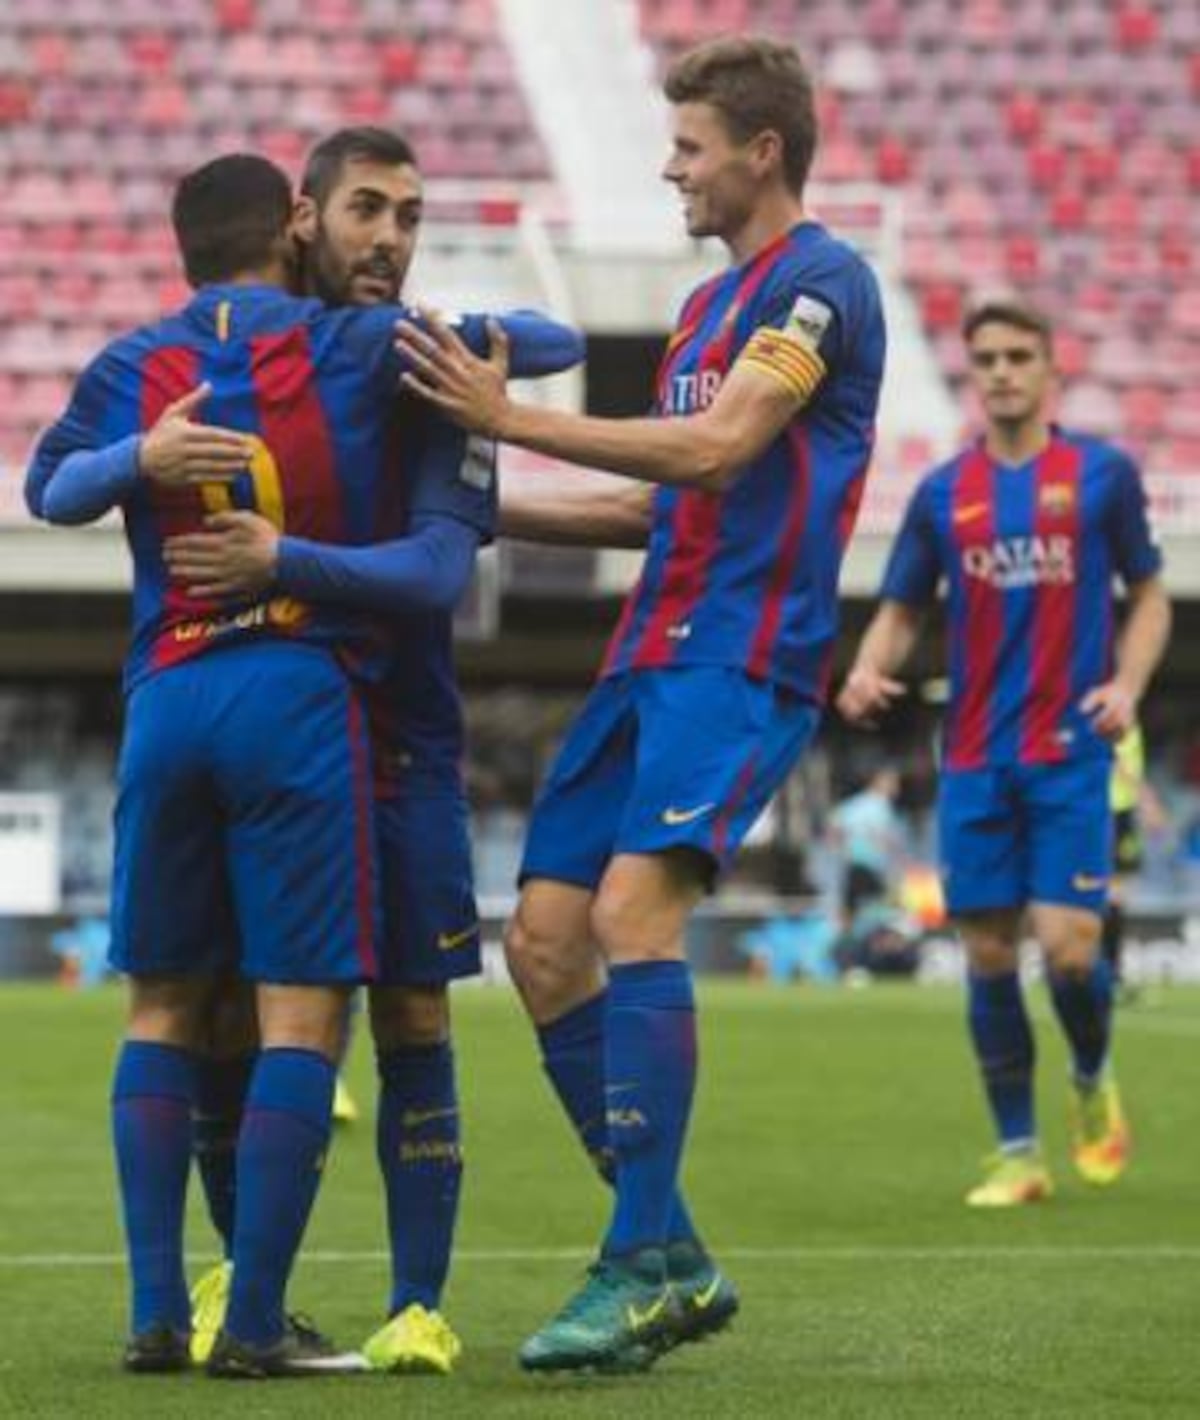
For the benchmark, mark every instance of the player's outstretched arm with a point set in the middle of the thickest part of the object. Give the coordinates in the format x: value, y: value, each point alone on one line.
x: 585, y: 508
x: 240, y: 555
x: 537, y: 345
x: 1143, y: 641
x: 707, y: 450
x: 871, y: 686
x: 534, y: 345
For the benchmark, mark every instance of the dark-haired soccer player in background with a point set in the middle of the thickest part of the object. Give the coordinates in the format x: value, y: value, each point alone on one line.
x: 245, y: 810
x: 713, y: 684
x: 1027, y: 528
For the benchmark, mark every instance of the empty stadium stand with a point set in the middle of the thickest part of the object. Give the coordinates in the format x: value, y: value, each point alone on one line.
x: 102, y: 106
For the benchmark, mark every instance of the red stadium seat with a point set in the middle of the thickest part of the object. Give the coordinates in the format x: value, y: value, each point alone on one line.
x: 1143, y: 410
x: 1047, y: 166
x: 1136, y: 27
x: 1023, y: 117
x: 941, y: 306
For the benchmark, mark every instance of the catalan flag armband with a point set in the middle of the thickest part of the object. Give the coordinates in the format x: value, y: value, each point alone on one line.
x: 777, y: 353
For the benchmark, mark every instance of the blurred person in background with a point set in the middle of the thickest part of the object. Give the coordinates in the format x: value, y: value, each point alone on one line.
x: 1136, y: 811
x: 868, y: 834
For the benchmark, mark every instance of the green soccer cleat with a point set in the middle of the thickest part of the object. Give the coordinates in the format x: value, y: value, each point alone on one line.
x: 415, y: 1342
x: 708, y: 1300
x: 210, y: 1298
x: 1100, y: 1139
x: 1011, y: 1180
x: 615, y: 1323
x: 160, y: 1350
x: 301, y: 1352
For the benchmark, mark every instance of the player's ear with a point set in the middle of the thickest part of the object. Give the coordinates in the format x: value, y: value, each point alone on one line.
x: 304, y: 219
x: 766, y: 151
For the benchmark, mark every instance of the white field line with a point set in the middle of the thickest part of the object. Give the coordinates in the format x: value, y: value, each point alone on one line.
x: 1154, y: 1252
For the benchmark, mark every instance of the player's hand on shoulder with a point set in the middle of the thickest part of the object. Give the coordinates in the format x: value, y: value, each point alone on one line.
x: 235, y: 556
x: 177, y: 452
x: 467, y: 388
x: 1111, y: 709
x: 867, y: 694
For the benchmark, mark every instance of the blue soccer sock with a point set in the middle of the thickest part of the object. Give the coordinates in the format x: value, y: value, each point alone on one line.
x: 417, y: 1143
x: 1083, y: 1005
x: 221, y: 1087
x: 650, y: 1076
x: 153, y: 1089
x: 281, y: 1152
x: 1004, y: 1048
x: 573, y: 1057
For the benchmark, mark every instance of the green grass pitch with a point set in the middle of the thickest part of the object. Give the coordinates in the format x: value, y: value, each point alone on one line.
x: 834, y: 1135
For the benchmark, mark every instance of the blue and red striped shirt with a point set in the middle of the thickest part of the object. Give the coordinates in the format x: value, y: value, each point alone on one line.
x: 1028, y: 553
x: 336, y: 462
x: 748, y: 577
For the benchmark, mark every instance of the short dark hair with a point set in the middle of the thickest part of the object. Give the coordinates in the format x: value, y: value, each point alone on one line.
x: 229, y: 216
x: 1009, y: 310
x: 329, y: 157
x: 755, y: 83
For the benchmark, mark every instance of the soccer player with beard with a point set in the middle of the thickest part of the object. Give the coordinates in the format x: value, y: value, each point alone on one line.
x: 1027, y: 528
x: 358, y: 220
x: 77, y: 474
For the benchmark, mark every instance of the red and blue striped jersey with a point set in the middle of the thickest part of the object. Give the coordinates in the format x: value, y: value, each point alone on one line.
x: 748, y: 577
x: 1029, y: 554
x: 317, y: 388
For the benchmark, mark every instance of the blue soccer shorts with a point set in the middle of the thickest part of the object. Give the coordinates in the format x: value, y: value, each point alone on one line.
x: 685, y: 757
x: 430, y: 917
x: 1026, y: 833
x: 244, y: 821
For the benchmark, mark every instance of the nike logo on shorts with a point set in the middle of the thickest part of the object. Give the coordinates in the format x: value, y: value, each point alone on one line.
x: 1082, y: 882
x: 672, y: 817
x: 447, y: 941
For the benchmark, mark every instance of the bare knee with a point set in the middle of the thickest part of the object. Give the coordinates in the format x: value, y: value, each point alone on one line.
x: 304, y: 1018
x: 169, y: 1011
x: 641, y: 910
x: 550, y: 955
x: 991, y: 941
x: 409, y: 1017
x: 1069, y: 937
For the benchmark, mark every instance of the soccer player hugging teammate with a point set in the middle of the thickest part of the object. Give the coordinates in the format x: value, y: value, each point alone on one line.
x: 245, y: 818
x: 358, y: 219
x: 1027, y: 528
x: 714, y: 679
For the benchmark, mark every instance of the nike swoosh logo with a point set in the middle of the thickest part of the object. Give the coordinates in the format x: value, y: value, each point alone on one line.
x: 673, y: 816
x: 969, y: 511
x: 1081, y: 882
x: 447, y: 941
x: 412, y: 1117
x: 704, y: 1299
x: 640, y: 1319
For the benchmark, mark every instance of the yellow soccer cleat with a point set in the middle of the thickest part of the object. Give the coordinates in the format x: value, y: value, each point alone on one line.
x: 1010, y: 1180
x: 1100, y: 1139
x: 210, y: 1299
x: 345, y: 1110
x: 415, y: 1342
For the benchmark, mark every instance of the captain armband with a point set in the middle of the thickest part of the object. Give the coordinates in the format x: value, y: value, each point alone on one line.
x: 793, y: 364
